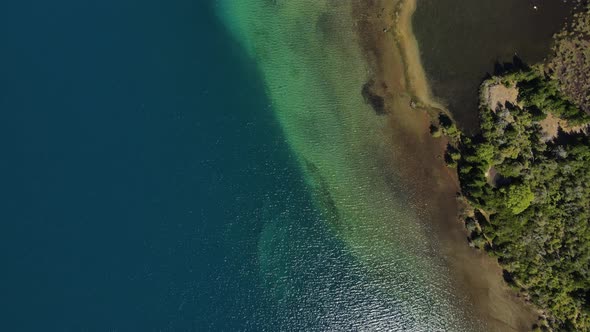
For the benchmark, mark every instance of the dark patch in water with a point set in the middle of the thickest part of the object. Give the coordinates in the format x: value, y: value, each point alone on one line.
x: 322, y: 191
x: 376, y: 101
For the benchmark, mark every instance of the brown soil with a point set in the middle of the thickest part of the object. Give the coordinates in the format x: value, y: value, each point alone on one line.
x: 384, y: 28
x: 551, y: 126
x: 497, y: 95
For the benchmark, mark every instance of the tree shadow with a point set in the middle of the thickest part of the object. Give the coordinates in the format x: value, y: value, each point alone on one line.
x: 517, y: 64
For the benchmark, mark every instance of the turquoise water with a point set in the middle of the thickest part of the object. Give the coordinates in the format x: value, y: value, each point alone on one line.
x: 391, y: 276
x: 166, y: 169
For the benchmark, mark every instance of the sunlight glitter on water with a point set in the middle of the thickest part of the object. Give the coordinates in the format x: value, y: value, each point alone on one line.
x: 308, y: 54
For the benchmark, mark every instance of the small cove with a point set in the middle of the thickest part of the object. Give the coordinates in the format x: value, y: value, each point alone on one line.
x: 461, y: 41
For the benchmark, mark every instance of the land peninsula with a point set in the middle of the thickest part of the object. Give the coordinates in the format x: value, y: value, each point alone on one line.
x: 525, y: 177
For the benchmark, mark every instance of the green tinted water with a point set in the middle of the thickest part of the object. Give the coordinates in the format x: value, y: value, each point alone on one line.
x: 308, y: 55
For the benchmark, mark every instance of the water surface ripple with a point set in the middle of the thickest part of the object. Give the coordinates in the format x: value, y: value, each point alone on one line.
x: 367, y: 261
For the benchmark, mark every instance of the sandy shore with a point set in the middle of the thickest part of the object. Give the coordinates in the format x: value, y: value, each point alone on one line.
x: 397, y: 76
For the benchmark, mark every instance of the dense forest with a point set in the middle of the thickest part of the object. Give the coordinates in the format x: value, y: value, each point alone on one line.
x: 526, y: 178
x: 570, y: 65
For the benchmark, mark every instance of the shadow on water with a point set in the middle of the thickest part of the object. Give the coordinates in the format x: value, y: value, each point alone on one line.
x: 500, y: 68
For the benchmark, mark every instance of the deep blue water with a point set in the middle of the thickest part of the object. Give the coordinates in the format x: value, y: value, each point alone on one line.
x: 145, y: 184
x: 139, y: 162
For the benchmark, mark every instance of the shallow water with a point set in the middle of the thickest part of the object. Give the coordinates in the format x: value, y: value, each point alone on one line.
x: 309, y: 58
x: 461, y: 40
x: 160, y: 173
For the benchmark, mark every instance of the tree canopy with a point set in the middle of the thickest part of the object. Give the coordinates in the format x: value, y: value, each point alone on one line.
x: 537, y: 205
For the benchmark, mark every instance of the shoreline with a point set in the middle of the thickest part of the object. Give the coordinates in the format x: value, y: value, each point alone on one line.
x: 392, y: 53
